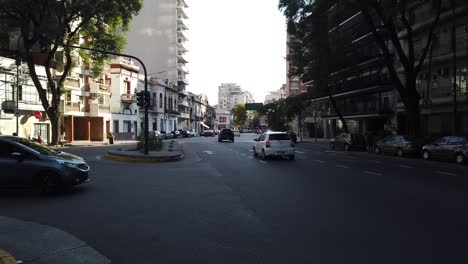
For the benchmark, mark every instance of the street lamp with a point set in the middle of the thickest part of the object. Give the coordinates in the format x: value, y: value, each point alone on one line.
x: 18, y: 64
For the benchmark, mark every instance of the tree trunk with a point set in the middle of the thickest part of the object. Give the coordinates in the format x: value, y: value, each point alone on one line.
x: 55, y: 121
x: 340, y: 116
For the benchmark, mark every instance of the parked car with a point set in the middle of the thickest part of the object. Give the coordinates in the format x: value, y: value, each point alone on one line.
x: 209, y: 133
x: 236, y: 133
x: 348, y: 141
x: 258, y: 131
x: 191, y: 133
x: 166, y: 135
x: 216, y: 131
x: 184, y: 133
x: 176, y: 134
x: 24, y: 162
x: 397, y: 145
x: 271, y: 144
x: 447, y: 148
x: 226, y: 134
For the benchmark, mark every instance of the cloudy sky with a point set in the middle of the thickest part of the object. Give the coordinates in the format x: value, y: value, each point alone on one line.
x: 241, y: 41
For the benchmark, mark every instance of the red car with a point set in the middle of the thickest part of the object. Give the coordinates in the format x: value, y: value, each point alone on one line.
x: 209, y: 133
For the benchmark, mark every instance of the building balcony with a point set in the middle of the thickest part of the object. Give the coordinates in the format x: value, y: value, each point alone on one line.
x: 181, y: 59
x: 128, y: 98
x: 171, y: 111
x: 183, y: 103
x: 184, y: 115
x: 70, y: 82
x: 97, y: 88
x: 183, y: 92
x: 10, y: 106
x: 68, y: 106
x: 97, y: 109
x: 181, y: 14
x: 182, y: 81
x: 182, y: 4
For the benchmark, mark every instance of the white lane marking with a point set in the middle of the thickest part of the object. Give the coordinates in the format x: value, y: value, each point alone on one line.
x: 373, y: 173
x: 208, y: 152
x: 301, y: 156
x: 406, y: 167
x: 250, y: 150
x: 446, y: 173
x: 375, y: 161
x: 332, y: 154
x: 300, y: 152
x: 98, y: 157
x: 250, y: 157
x: 243, y: 154
x: 261, y: 161
x: 320, y: 161
x: 342, y: 166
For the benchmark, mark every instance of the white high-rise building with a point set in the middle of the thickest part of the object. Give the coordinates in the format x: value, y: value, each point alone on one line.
x: 231, y: 94
x: 157, y: 37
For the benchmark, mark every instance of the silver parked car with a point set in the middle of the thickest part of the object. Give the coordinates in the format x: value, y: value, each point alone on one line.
x: 447, y: 148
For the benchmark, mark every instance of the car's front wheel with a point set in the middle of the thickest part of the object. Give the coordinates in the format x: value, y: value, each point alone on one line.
x: 347, y: 147
x: 332, y: 146
x: 399, y: 152
x: 426, y: 155
x: 460, y: 158
x: 377, y: 150
x: 48, y: 183
x: 292, y: 157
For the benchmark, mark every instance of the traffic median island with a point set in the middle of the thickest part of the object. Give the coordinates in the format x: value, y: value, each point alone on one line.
x: 170, y: 152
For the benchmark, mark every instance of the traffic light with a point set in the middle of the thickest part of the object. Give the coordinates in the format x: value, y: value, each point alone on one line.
x: 140, y: 99
x: 147, y: 98
x: 43, y: 43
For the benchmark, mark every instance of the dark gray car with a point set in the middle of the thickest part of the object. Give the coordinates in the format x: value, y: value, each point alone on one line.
x: 397, y: 145
x: 347, y: 141
x: 27, y: 163
x: 447, y: 148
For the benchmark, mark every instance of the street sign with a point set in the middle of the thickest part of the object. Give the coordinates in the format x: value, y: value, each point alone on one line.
x: 253, y: 106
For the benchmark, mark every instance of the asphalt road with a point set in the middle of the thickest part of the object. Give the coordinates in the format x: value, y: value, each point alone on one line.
x: 222, y: 205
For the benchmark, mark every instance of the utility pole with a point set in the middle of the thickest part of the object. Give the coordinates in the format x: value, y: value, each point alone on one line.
x: 18, y: 64
x: 454, y: 50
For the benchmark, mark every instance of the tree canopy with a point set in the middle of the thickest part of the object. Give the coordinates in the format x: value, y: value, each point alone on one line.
x: 240, y: 115
x: 99, y: 23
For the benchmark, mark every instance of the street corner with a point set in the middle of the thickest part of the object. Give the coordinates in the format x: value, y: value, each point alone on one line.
x: 7, y: 258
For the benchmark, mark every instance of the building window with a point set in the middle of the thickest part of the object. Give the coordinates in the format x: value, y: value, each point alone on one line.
x: 127, y: 126
x: 127, y: 84
x: 222, y: 119
x: 160, y: 100
x: 154, y: 99
x: 155, y: 128
x: 116, y: 126
x: 162, y: 124
x: 165, y: 102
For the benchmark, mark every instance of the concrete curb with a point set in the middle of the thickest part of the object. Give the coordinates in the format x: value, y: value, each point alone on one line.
x: 34, y: 243
x: 139, y: 159
x: 6, y: 258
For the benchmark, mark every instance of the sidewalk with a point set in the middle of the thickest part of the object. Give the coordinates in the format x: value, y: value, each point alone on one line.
x: 29, y: 242
x: 322, y: 142
x: 86, y: 143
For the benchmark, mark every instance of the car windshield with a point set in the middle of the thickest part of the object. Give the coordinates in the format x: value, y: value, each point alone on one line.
x: 37, y: 147
x: 279, y: 137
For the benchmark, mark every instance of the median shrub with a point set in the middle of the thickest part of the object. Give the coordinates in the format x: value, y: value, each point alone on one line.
x: 154, y: 143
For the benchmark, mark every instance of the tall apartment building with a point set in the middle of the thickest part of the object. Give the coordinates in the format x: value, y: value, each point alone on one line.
x: 230, y: 94
x: 276, y: 95
x: 435, y: 81
x: 157, y: 37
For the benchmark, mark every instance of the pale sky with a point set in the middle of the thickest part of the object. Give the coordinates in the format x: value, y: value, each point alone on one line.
x: 235, y: 41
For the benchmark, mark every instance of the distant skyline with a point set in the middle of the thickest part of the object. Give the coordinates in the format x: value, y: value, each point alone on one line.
x: 242, y: 42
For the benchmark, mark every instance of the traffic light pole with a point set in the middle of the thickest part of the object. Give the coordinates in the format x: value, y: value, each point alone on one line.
x: 146, y: 132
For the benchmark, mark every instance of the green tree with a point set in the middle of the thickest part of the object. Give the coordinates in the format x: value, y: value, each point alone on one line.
x: 99, y: 22
x: 310, y: 53
x: 240, y: 115
x: 388, y: 19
